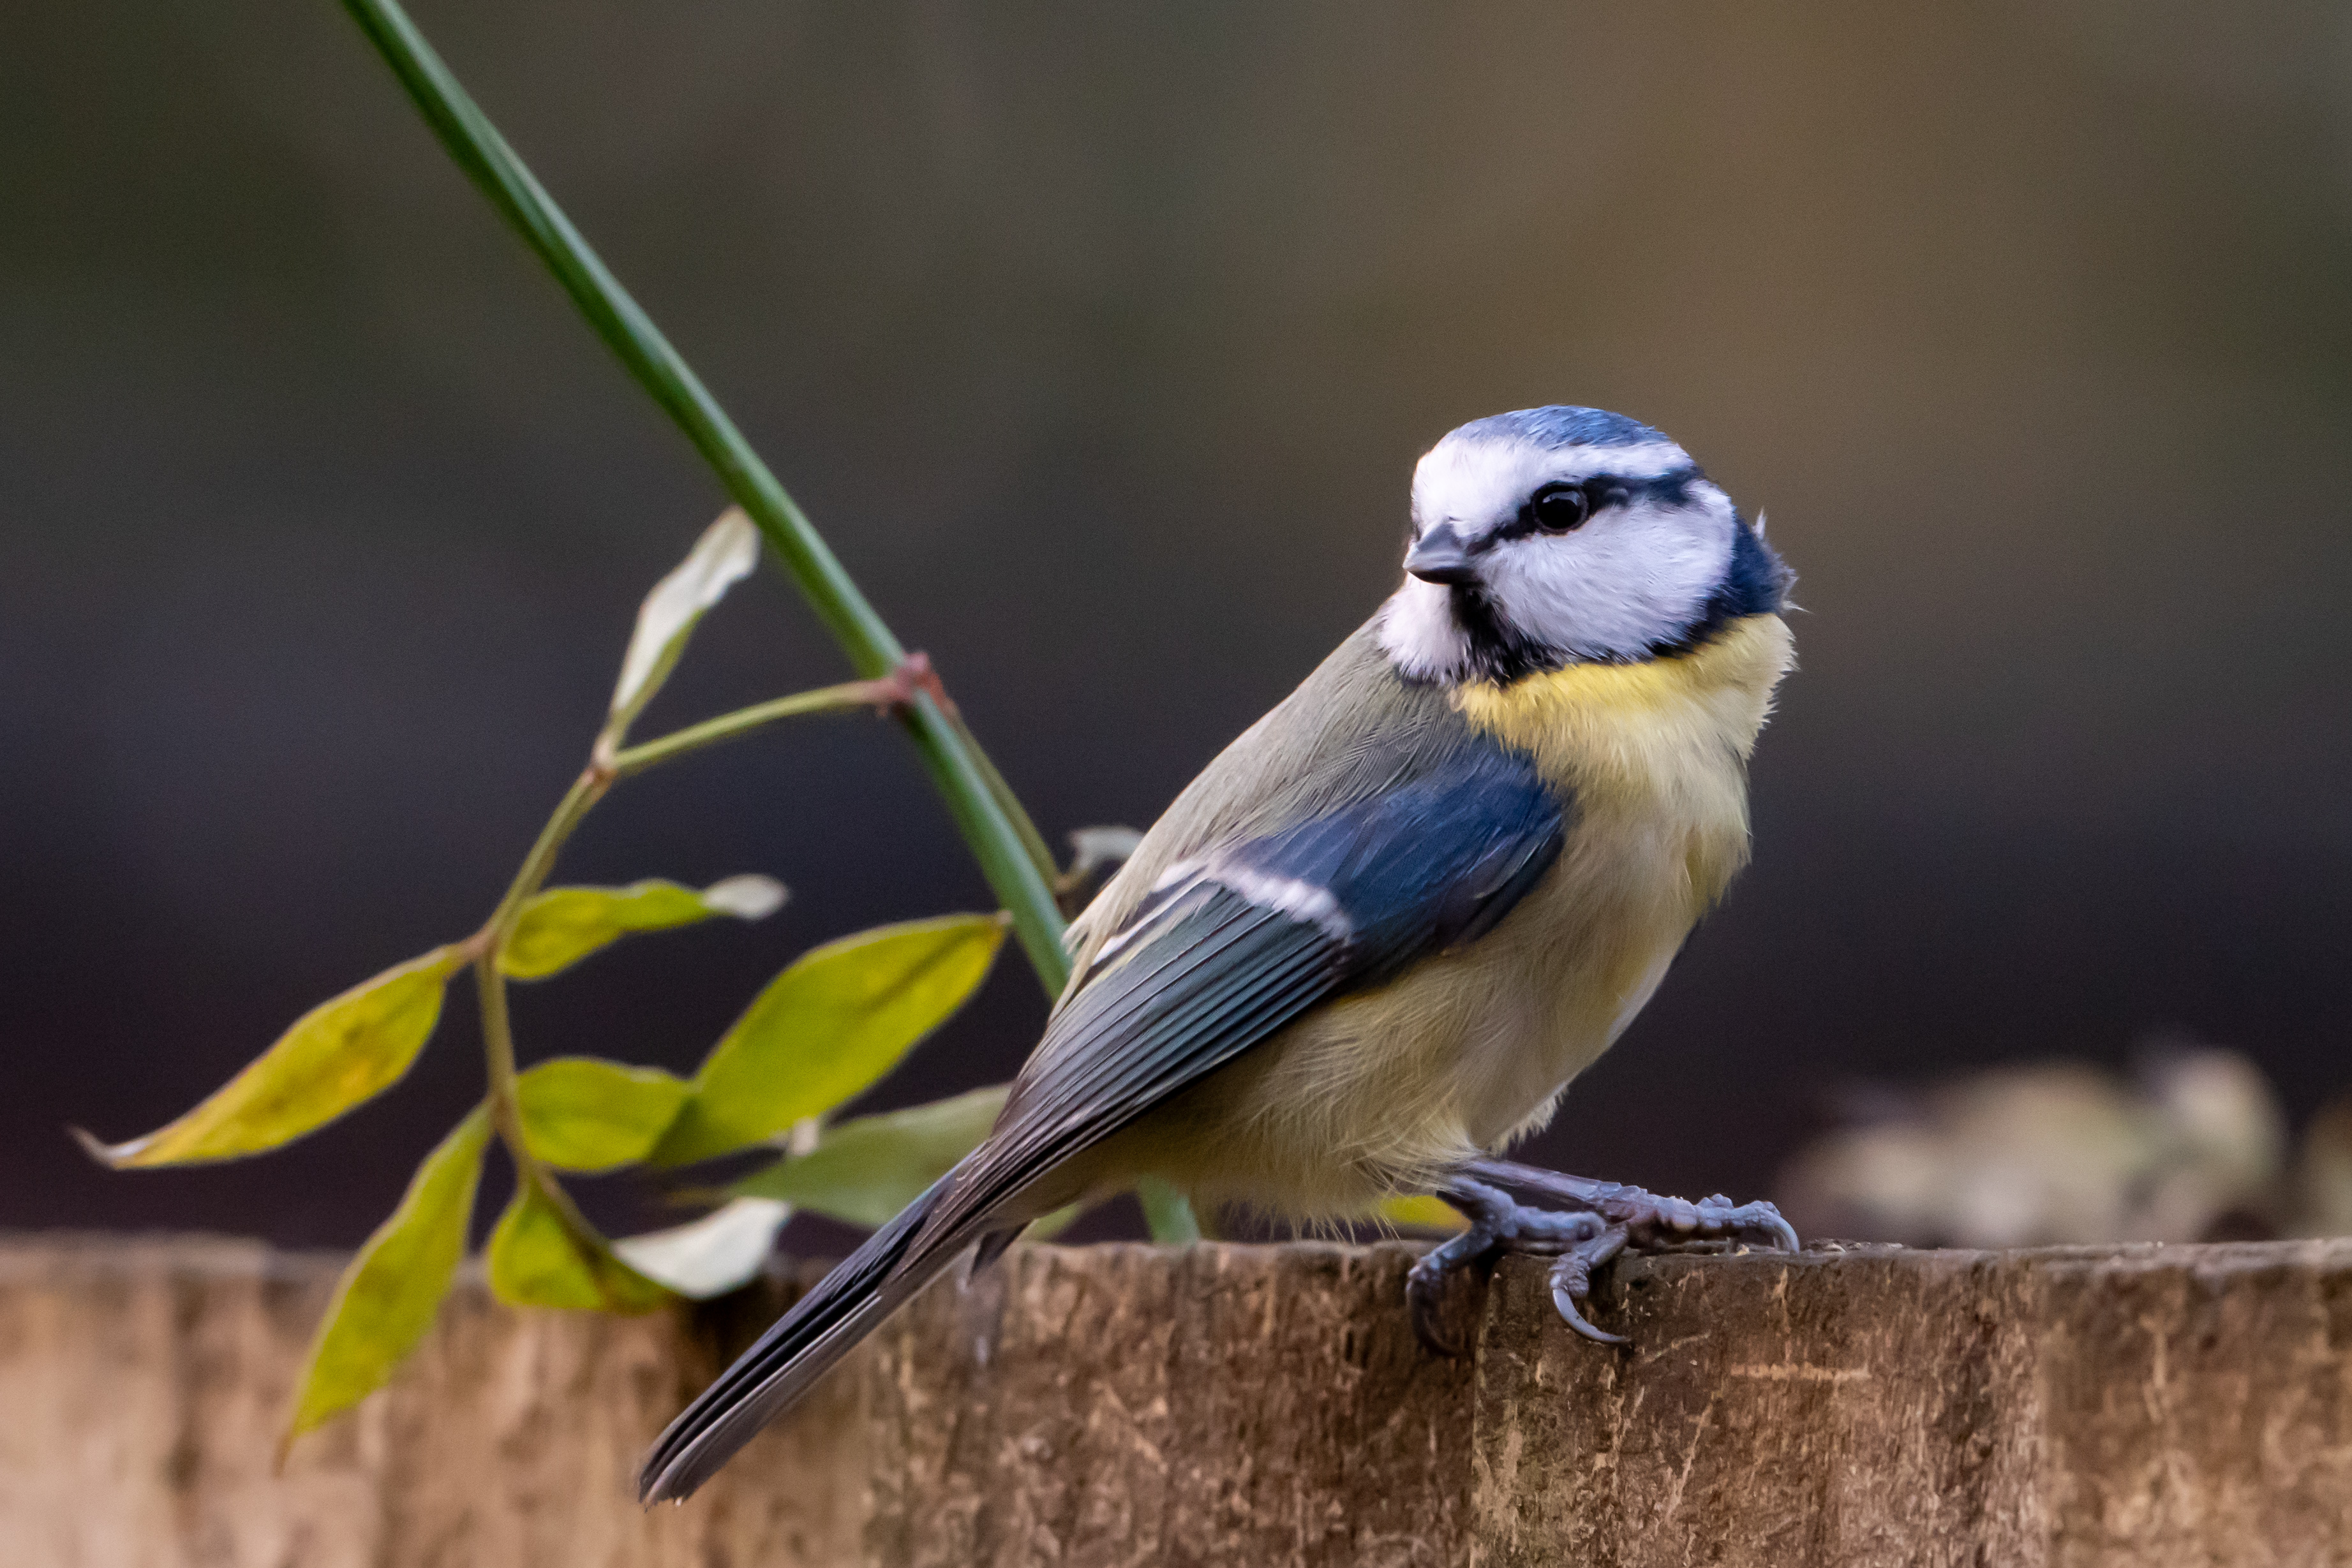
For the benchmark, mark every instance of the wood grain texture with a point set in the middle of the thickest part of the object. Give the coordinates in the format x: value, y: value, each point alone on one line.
x: 1228, y: 1406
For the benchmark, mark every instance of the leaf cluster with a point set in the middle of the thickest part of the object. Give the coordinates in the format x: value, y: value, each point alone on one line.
x: 824, y: 1030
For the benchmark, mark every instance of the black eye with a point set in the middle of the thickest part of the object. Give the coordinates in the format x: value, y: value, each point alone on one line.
x: 1560, y: 507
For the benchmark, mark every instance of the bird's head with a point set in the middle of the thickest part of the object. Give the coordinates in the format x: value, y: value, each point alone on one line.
x: 1560, y: 536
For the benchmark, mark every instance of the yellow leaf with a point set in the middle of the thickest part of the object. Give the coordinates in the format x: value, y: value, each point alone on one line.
x: 1421, y: 1213
x: 559, y: 927
x: 828, y: 1026
x: 388, y: 1295
x: 583, y: 1114
x: 338, y: 1054
x: 865, y: 1171
x: 535, y: 1260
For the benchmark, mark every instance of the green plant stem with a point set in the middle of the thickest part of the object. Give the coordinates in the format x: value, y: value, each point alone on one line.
x: 585, y: 791
x: 1041, y: 854
x: 498, y: 1048
x: 989, y: 819
x: 490, y: 984
x: 506, y: 1104
x: 844, y: 698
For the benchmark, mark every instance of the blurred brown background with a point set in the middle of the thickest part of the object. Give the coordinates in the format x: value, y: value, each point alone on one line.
x: 1101, y: 339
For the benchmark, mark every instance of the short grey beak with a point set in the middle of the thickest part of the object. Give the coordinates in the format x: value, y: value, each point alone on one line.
x: 1438, y: 556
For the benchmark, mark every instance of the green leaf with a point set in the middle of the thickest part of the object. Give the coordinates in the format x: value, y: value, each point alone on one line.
x: 721, y: 558
x: 866, y: 1171
x: 1421, y: 1213
x: 535, y: 1260
x: 559, y: 927
x: 713, y: 1255
x: 338, y: 1054
x: 582, y: 1114
x: 388, y: 1296
x: 1166, y: 1213
x: 828, y: 1026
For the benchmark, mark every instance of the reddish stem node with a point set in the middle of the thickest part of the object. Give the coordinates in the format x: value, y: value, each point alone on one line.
x: 914, y: 674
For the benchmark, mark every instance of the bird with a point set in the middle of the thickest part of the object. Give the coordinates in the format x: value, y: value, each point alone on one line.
x: 1369, y: 945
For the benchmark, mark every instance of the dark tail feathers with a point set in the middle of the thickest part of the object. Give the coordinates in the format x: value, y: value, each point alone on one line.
x: 823, y: 1326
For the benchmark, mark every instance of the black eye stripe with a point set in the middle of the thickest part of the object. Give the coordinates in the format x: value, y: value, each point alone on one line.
x: 1664, y: 489
x: 1603, y: 491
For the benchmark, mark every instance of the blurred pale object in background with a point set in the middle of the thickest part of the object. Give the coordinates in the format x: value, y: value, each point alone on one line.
x: 2323, y: 1175
x: 2193, y: 1146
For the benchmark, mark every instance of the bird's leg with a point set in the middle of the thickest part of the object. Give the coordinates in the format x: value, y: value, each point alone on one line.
x: 1597, y: 1220
x: 1652, y: 1223
x: 1580, y: 1240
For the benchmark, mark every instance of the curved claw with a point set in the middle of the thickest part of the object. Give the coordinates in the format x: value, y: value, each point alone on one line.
x: 1424, y: 1283
x: 1425, y: 1293
x: 1572, y: 1282
x: 1759, y: 1222
x: 1566, y: 1304
x: 1783, y: 1233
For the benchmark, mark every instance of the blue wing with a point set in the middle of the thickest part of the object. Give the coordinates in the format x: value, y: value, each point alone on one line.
x: 1231, y: 946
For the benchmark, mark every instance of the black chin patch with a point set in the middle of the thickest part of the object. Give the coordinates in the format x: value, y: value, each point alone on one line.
x: 1497, y: 652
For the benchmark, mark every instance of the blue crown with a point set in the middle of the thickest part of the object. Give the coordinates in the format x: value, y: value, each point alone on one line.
x: 1561, y: 425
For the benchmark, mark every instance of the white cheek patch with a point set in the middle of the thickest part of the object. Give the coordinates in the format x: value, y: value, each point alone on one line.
x: 1632, y: 579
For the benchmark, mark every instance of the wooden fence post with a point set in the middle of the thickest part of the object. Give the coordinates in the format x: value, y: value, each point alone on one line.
x: 1223, y: 1405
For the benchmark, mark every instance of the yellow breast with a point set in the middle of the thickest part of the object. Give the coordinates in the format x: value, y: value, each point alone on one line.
x: 1602, y: 730
x: 1654, y: 757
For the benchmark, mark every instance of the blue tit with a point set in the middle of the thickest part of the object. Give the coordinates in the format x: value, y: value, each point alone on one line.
x: 1372, y: 943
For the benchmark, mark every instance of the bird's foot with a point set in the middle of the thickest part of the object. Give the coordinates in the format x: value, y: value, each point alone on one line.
x: 1580, y: 1240
x: 1599, y: 1220
x: 1652, y: 1223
